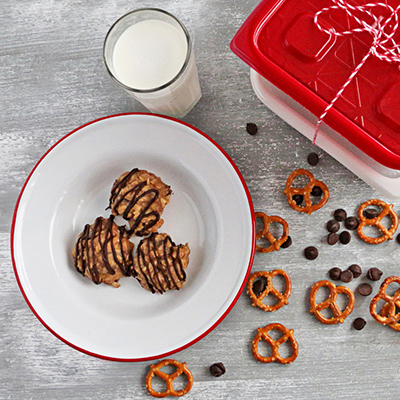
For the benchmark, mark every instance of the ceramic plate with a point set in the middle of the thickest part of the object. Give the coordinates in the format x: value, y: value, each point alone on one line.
x: 70, y: 186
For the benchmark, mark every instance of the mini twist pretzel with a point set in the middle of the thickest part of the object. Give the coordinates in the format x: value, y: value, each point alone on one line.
x: 389, y: 316
x: 275, y: 357
x: 169, y: 378
x: 387, y: 209
x: 283, y: 298
x: 389, y: 310
x: 330, y: 302
x: 305, y: 191
x: 275, y: 244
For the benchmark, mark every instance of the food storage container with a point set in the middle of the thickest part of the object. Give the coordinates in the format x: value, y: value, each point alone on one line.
x: 297, y: 70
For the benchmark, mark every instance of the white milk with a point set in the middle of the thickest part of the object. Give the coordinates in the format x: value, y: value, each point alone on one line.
x: 149, y: 54
x: 147, y: 49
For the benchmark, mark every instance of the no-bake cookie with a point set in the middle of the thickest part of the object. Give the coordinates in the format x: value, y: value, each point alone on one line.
x: 159, y: 264
x: 140, y: 197
x: 103, y: 252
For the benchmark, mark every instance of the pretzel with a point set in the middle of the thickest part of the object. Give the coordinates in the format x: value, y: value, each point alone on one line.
x: 388, y: 314
x: 338, y: 316
x: 169, y: 378
x: 263, y: 335
x: 275, y: 244
x: 282, y: 297
x: 290, y: 191
x: 390, y: 310
x: 387, y: 209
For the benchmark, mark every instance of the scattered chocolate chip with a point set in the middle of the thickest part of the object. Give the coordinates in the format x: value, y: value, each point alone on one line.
x: 346, y: 276
x: 356, y: 270
x: 313, y: 159
x: 340, y: 214
x: 351, y: 223
x: 374, y: 274
x: 286, y: 243
x: 316, y: 191
x: 365, y: 289
x: 259, y: 286
x: 332, y: 238
x: 345, y: 237
x: 359, y: 323
x: 217, y: 369
x: 334, y: 273
x: 311, y: 253
x: 370, y: 213
x: 298, y: 198
x: 332, y: 225
x: 251, y: 128
x: 398, y: 238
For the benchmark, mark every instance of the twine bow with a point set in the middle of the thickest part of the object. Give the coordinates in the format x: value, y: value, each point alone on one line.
x: 381, y: 21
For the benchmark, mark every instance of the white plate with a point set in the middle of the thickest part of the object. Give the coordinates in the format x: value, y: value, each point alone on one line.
x: 210, y: 208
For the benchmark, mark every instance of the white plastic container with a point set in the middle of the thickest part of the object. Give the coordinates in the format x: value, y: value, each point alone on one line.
x: 149, y: 53
x: 384, y: 179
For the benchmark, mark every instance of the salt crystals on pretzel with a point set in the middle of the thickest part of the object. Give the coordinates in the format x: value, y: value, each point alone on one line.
x: 283, y: 298
x: 388, y: 315
x: 275, y: 243
x: 155, y: 370
x: 338, y: 315
x: 385, y: 210
x: 305, y: 192
x: 287, y: 336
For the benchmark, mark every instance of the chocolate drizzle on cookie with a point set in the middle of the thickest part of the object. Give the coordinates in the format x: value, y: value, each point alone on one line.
x: 160, y: 263
x: 133, y: 199
x: 103, y: 249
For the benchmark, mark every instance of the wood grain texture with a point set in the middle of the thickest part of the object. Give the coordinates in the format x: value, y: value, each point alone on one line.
x: 52, y: 79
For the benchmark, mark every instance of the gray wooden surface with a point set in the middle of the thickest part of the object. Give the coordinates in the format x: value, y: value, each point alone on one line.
x: 52, y: 80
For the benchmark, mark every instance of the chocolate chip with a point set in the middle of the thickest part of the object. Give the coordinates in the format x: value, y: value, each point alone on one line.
x: 374, y: 274
x: 251, y: 128
x: 217, y: 369
x: 313, y: 159
x: 259, y: 286
x: 332, y: 238
x: 370, y: 213
x: 351, y: 223
x: 332, y: 225
x: 345, y: 237
x: 346, y: 276
x: 359, y: 323
x: 311, y: 253
x: 316, y: 191
x: 398, y: 238
x: 334, y: 273
x: 340, y: 214
x: 365, y: 289
x: 298, y: 198
x: 286, y: 243
x: 356, y: 270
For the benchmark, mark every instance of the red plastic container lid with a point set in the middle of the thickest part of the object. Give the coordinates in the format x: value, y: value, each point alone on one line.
x: 281, y: 42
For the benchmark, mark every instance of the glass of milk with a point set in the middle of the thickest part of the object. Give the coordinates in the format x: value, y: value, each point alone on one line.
x: 149, y: 53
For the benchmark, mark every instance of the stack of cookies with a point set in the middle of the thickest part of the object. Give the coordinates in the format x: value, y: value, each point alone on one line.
x: 103, y: 252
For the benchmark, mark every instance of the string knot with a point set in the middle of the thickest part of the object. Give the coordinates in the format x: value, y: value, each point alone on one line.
x: 380, y: 20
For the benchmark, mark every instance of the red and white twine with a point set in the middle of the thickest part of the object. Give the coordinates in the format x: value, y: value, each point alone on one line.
x: 382, y: 26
